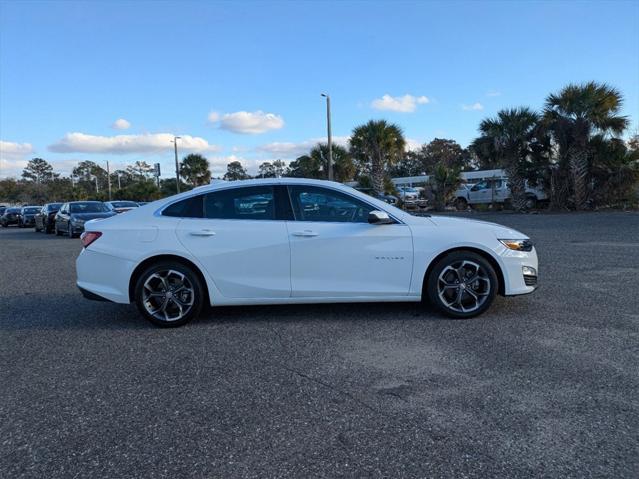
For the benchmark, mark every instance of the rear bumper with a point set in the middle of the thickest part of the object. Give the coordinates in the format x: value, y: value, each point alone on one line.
x: 92, y: 296
x: 104, y: 275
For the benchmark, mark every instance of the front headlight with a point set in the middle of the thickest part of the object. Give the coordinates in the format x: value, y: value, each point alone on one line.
x: 517, y: 244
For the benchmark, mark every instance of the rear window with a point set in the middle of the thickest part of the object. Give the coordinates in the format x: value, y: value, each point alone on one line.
x: 189, y: 208
x: 88, y: 208
x: 124, y: 204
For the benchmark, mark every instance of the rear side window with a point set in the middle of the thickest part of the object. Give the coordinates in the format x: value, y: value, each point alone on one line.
x: 250, y: 203
x: 189, y: 208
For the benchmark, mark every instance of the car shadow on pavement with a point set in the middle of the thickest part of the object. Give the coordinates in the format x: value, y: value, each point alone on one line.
x: 71, y: 311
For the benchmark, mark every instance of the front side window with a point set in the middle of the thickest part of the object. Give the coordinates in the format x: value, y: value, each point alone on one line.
x: 313, y: 203
x: 250, y: 203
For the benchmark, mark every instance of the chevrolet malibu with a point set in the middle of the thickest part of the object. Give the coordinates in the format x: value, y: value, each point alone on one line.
x: 275, y: 241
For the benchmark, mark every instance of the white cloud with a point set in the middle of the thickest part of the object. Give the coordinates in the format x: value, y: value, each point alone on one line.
x: 474, y: 107
x: 413, y: 145
x: 11, y: 150
x: 247, y: 122
x: 292, y: 150
x: 13, y: 157
x: 493, y: 93
x: 125, y: 144
x: 121, y: 124
x: 404, y: 104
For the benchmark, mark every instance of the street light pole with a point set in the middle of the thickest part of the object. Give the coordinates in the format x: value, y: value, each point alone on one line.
x: 330, y: 137
x: 109, y: 178
x: 177, y: 167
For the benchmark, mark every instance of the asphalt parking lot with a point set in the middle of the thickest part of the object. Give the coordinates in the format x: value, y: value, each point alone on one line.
x: 545, y: 385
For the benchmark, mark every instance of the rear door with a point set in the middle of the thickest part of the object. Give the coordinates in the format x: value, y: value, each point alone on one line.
x: 239, y: 236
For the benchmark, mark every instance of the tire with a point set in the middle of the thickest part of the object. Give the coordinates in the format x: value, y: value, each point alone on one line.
x: 461, y: 204
x: 178, y: 310
x: 531, y: 202
x: 476, y: 296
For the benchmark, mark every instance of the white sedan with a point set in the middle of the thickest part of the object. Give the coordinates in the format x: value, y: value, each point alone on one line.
x: 286, y: 240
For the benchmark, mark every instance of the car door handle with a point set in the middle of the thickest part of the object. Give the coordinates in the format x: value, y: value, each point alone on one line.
x: 203, y: 233
x: 306, y: 233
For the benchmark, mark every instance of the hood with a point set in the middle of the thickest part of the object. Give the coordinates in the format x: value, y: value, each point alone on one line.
x: 92, y: 216
x: 501, y: 231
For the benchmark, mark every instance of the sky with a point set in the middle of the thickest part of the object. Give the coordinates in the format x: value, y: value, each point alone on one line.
x: 116, y: 80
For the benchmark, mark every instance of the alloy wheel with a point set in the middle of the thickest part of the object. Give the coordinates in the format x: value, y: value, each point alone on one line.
x: 168, y: 295
x: 463, y: 286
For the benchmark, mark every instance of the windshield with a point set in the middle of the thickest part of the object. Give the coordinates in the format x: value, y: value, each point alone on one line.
x: 124, y: 204
x: 13, y: 210
x: 88, y: 208
x: 32, y: 210
x: 54, y: 206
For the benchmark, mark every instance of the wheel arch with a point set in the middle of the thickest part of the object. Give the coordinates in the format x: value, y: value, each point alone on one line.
x: 484, y: 254
x: 165, y: 257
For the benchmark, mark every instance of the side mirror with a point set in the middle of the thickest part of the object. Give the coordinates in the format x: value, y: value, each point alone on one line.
x: 377, y: 217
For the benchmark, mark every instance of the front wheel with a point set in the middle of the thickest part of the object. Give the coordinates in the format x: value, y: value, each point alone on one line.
x: 462, y: 285
x: 169, y: 294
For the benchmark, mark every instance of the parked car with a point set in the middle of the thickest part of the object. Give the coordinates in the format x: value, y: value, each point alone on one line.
x: 200, y: 247
x: 71, y: 217
x: 494, y: 190
x: 11, y: 216
x: 386, y: 198
x: 408, y: 194
x: 27, y: 216
x: 45, y: 219
x: 2, y: 209
x: 121, y: 206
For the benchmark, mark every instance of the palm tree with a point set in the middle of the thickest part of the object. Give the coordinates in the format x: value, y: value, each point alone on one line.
x: 573, y: 116
x: 512, y: 132
x: 377, y: 145
x: 194, y: 169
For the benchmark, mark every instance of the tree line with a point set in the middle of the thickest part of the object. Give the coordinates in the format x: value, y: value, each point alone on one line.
x: 572, y: 148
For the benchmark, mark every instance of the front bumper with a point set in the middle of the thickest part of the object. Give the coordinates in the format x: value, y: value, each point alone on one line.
x: 514, y: 266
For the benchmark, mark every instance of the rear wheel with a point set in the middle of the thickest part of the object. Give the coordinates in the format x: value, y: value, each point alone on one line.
x: 169, y: 294
x: 462, y: 285
x: 461, y: 204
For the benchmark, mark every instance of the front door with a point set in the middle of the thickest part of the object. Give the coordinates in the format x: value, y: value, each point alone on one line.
x: 240, y: 241
x: 336, y: 253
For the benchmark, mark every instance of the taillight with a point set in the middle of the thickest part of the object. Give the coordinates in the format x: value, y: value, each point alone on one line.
x: 89, y: 237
